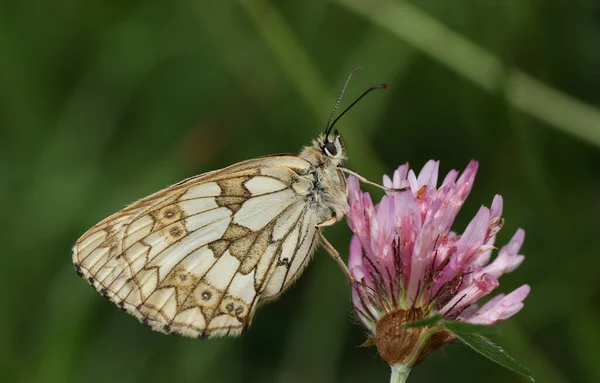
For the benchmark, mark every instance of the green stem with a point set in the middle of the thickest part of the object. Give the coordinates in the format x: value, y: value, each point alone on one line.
x: 399, y: 373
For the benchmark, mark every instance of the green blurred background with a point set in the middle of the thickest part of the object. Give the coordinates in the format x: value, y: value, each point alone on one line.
x: 104, y: 102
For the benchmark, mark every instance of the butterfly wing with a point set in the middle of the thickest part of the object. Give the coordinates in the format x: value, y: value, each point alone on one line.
x: 198, y: 257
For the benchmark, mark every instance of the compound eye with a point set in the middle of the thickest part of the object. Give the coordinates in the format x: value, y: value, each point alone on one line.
x: 330, y: 149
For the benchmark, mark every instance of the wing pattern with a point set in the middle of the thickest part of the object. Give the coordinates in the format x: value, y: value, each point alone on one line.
x: 197, y: 258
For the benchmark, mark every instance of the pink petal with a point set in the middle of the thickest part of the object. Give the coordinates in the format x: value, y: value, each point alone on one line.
x: 453, y: 193
x: 496, y: 221
x: 412, y: 182
x: 468, y: 312
x: 465, y: 181
x: 446, y: 246
x: 399, y: 177
x: 385, y: 236
x: 466, y: 248
x: 359, y: 295
x: 386, y: 216
x: 408, y: 222
x: 496, y: 208
x: 484, y: 257
x: 450, y: 179
x: 502, y: 307
x: 469, y: 295
x: 429, y: 174
x: 355, y: 259
x: 354, y: 192
x: 360, y: 218
x: 492, y: 302
x: 455, y: 196
x: 474, y: 235
x: 387, y: 182
x: 422, y: 259
x: 508, y: 258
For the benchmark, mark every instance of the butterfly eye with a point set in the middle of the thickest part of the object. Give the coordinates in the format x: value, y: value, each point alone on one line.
x: 330, y: 149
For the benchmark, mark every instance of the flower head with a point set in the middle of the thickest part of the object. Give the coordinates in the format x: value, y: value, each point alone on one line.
x: 408, y: 265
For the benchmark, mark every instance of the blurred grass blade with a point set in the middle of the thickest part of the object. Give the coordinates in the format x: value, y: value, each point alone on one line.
x: 433, y: 38
x: 424, y: 322
x: 492, y: 351
x: 469, y: 328
x: 307, y: 80
x: 553, y: 107
x: 454, y: 50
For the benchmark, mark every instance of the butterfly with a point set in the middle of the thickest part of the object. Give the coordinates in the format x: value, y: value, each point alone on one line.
x: 199, y: 257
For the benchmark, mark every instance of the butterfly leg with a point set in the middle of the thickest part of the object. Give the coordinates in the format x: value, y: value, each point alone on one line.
x: 335, y: 255
x: 366, y: 181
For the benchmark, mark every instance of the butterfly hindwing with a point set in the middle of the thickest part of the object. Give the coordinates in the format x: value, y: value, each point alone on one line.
x: 198, y: 257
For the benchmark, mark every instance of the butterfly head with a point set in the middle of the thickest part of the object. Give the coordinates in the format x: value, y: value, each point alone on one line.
x: 330, y: 143
x: 332, y: 146
x: 325, y: 151
x: 329, y: 147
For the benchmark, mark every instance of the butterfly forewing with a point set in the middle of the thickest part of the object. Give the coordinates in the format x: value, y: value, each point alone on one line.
x: 198, y: 257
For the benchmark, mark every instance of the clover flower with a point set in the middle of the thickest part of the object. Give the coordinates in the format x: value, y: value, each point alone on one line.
x: 408, y: 265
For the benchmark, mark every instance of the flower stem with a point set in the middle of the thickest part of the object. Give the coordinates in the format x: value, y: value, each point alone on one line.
x: 399, y: 373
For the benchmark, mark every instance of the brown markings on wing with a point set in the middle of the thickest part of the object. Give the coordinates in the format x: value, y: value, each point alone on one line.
x: 166, y: 215
x: 248, y: 246
x: 261, y: 280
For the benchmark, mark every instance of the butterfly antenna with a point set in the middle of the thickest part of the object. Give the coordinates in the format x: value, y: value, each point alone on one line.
x: 372, y: 88
x: 328, y: 127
